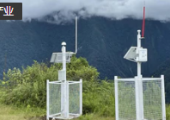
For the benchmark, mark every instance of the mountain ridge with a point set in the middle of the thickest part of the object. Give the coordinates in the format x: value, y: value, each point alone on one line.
x: 103, y: 42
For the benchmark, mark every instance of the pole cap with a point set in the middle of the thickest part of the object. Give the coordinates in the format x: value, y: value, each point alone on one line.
x: 63, y: 43
x: 138, y: 31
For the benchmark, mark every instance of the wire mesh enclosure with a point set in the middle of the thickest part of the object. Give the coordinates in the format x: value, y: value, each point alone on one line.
x: 153, y: 94
x: 140, y: 98
x: 57, y: 107
x: 125, y: 99
x: 54, y: 98
x: 74, y: 98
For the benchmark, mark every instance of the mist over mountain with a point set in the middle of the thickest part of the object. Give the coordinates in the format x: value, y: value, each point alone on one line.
x: 66, y: 10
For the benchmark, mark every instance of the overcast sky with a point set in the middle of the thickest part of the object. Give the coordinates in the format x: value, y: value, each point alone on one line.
x: 118, y: 9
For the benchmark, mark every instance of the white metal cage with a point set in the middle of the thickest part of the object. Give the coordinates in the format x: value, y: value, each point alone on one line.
x: 140, y: 98
x: 56, y: 103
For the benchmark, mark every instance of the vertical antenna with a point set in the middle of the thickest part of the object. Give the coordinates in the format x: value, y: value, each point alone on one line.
x: 76, y: 35
x: 143, y: 24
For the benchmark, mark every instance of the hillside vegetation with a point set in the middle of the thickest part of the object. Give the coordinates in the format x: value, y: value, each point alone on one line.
x: 102, y: 41
x: 23, y: 92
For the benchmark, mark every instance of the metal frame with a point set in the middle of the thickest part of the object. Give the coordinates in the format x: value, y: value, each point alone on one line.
x: 116, y: 98
x: 163, y: 98
x: 139, y: 95
x: 59, y: 115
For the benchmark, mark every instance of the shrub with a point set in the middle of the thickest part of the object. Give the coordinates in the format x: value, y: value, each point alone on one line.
x: 27, y: 87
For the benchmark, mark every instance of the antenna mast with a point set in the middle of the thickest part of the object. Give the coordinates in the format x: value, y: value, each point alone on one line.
x: 76, y: 35
x: 143, y: 24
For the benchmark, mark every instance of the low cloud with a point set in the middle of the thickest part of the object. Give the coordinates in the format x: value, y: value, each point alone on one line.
x: 66, y: 10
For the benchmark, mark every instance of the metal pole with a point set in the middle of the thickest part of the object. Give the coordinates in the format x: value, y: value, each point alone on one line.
x: 138, y: 47
x: 65, y: 111
x: 62, y: 99
x: 141, y: 97
x: 76, y: 36
x: 163, y: 98
x: 81, y: 92
x: 116, y: 98
x: 139, y: 76
x: 138, y: 92
x: 47, y: 102
x: 64, y: 56
x: 137, y: 99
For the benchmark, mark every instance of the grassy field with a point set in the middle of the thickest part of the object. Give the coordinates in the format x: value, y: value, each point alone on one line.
x: 26, y: 89
x: 14, y: 113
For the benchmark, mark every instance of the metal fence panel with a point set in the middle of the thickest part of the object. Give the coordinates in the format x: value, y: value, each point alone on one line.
x: 74, y: 98
x: 140, y: 98
x: 126, y: 108
x: 152, y: 99
x: 54, y: 99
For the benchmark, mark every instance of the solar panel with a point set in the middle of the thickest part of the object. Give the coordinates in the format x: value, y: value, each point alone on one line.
x: 131, y: 54
x: 136, y: 56
x: 58, y: 56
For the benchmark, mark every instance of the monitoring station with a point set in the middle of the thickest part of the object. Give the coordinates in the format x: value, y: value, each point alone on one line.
x: 139, y: 98
x: 64, y: 98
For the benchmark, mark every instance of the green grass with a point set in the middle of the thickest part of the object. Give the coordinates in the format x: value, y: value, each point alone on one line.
x: 23, y: 92
x: 11, y: 112
x: 15, y: 113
